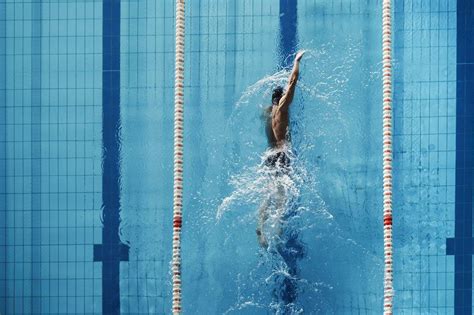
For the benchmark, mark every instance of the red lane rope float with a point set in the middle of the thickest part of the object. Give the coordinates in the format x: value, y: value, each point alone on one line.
x: 387, y: 154
x: 178, y: 157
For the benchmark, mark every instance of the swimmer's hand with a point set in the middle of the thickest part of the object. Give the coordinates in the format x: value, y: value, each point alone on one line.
x: 299, y: 55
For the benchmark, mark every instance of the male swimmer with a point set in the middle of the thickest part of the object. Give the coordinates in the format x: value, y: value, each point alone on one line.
x: 278, y: 135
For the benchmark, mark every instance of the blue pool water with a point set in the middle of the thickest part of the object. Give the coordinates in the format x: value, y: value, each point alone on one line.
x: 86, y: 156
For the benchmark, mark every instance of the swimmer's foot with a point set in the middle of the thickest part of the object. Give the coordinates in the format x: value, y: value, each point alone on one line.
x: 261, y: 238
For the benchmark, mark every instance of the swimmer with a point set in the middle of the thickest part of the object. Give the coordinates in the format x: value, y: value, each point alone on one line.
x: 277, y: 121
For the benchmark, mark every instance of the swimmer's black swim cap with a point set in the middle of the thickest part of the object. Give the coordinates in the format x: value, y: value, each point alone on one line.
x: 277, y: 94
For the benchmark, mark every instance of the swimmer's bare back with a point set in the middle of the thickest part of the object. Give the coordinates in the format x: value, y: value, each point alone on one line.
x: 280, y: 111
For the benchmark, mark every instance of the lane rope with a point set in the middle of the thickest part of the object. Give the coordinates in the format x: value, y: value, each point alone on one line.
x: 178, y: 157
x: 387, y: 155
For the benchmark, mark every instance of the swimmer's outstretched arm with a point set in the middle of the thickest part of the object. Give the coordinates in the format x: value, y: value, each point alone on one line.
x: 286, y: 99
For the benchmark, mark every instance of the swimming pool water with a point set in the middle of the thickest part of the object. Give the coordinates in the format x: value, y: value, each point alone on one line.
x: 86, y: 149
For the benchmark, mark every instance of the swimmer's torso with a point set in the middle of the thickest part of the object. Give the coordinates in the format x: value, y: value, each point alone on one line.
x: 277, y: 127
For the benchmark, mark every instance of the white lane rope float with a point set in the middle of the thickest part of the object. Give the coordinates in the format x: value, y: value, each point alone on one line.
x: 178, y: 157
x: 387, y: 155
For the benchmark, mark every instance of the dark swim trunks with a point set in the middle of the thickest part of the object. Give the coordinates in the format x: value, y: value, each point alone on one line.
x: 280, y: 161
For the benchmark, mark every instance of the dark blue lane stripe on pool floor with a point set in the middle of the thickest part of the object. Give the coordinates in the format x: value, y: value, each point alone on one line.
x: 288, y: 31
x: 111, y: 251
x: 461, y: 246
x: 291, y: 250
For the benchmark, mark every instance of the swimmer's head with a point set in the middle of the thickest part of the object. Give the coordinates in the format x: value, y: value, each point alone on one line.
x: 276, y: 95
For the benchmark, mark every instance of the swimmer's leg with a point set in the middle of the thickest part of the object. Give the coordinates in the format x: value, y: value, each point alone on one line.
x: 280, y: 206
x: 262, y: 218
